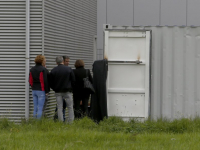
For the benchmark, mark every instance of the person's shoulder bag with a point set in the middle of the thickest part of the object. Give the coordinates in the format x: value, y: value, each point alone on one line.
x: 87, y: 84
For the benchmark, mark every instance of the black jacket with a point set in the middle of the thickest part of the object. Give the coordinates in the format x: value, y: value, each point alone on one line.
x: 62, y: 78
x: 80, y: 73
x: 38, y: 78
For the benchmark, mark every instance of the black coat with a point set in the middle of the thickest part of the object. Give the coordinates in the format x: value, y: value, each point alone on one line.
x: 79, y: 74
x: 99, y: 98
x: 62, y: 78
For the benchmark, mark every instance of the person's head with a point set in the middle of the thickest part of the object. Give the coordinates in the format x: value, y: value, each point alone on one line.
x: 59, y: 60
x: 79, y: 63
x: 39, y: 59
x: 66, y: 60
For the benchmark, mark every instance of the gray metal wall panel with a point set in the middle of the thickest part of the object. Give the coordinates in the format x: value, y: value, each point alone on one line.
x: 120, y: 12
x: 146, y: 12
x: 193, y: 12
x: 101, y: 19
x: 12, y: 59
x: 175, y: 82
x: 173, y: 12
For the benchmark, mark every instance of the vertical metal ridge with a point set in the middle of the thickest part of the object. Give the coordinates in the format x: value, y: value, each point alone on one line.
x: 27, y: 58
x: 43, y: 1
x: 161, y: 74
x: 172, y: 70
x: 106, y: 12
x: 133, y: 11
x: 160, y: 13
x: 186, y: 11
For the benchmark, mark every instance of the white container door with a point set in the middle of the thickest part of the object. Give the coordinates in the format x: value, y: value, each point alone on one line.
x: 128, y: 73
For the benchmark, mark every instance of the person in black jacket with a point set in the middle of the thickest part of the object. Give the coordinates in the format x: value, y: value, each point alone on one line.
x: 79, y: 93
x: 62, y: 80
x: 66, y: 63
x: 38, y: 81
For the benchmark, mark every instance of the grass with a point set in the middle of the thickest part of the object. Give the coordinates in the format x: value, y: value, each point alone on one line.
x: 110, y: 134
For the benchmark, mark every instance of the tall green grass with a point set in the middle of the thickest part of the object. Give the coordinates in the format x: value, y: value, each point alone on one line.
x: 111, y: 133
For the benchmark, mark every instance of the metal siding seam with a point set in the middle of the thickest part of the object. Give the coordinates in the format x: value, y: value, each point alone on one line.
x: 42, y: 27
x: 27, y: 57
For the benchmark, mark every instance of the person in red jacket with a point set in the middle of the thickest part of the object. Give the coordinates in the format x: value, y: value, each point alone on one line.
x: 39, y: 83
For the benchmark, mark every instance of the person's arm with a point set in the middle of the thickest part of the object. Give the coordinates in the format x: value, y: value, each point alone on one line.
x: 72, y: 78
x: 30, y: 79
x: 48, y: 79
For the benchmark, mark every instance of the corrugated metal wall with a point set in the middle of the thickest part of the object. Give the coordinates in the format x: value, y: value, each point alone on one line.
x: 145, y: 13
x: 12, y: 58
x: 69, y: 29
x: 175, y: 72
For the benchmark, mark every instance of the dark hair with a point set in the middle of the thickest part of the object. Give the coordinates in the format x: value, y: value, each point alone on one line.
x: 66, y: 57
x: 79, y: 63
x: 39, y: 59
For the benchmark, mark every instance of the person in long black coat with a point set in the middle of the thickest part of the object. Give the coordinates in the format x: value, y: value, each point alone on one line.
x: 99, y: 98
x: 79, y: 93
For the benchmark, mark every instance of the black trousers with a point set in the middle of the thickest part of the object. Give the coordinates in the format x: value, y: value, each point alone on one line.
x: 81, y: 110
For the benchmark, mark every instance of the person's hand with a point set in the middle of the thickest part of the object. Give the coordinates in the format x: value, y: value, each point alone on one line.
x: 80, y: 102
x: 47, y: 93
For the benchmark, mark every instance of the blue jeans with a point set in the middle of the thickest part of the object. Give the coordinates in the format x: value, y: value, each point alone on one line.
x: 38, y: 101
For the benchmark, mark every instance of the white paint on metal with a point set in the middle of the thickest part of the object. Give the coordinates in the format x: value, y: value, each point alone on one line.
x: 127, y: 88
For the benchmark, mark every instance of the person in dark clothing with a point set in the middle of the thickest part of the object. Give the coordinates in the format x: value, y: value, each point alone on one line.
x: 39, y: 83
x: 62, y: 81
x: 99, y: 99
x: 66, y: 63
x: 79, y: 93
